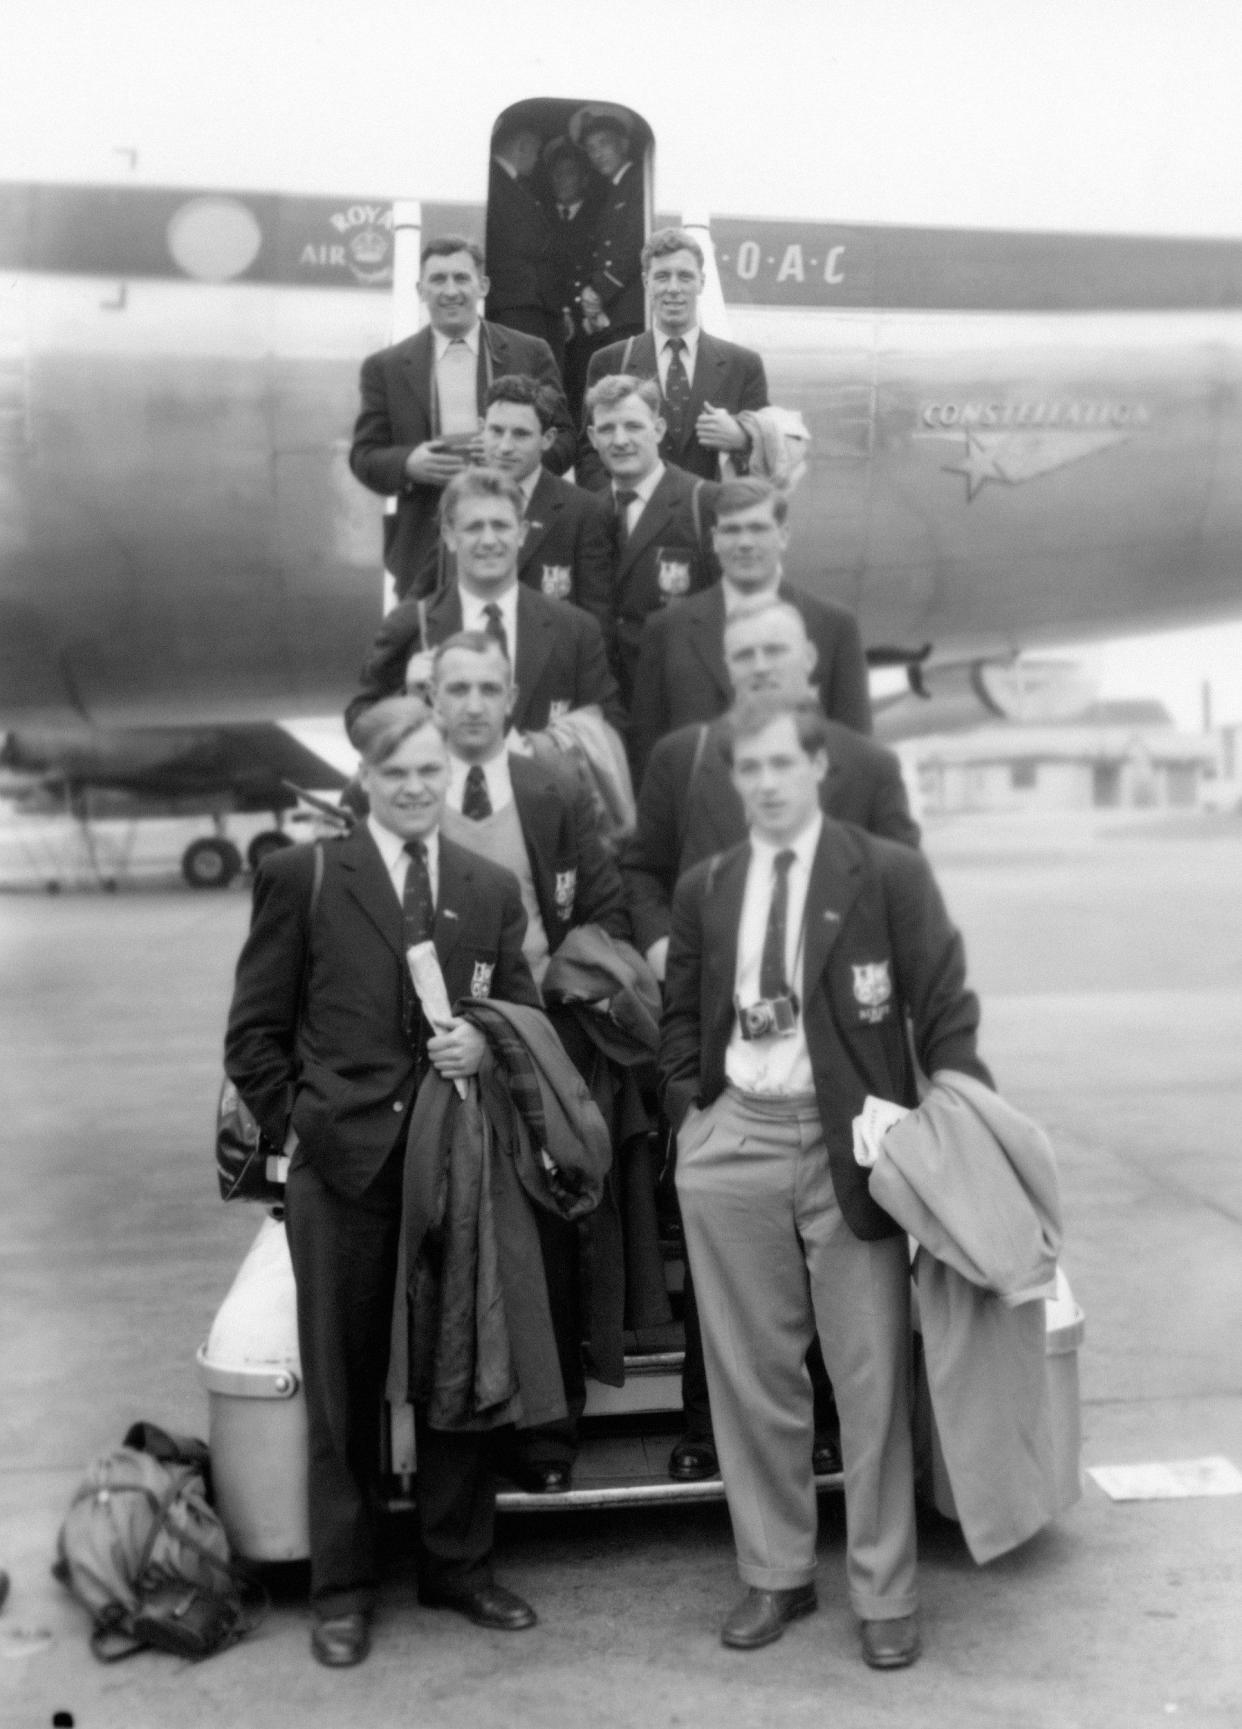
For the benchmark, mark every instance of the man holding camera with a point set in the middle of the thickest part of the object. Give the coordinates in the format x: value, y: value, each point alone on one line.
x: 796, y: 961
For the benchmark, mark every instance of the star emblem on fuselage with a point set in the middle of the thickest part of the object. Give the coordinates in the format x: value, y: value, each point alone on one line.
x: 979, y: 464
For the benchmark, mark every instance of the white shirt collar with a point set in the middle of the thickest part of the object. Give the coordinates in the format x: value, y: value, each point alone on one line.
x: 392, y: 851
x: 472, y: 615
x: 645, y: 487
x: 803, y: 845
x: 527, y: 486
x: 442, y: 342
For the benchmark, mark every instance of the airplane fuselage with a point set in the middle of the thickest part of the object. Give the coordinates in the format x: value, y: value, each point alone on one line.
x: 1016, y: 439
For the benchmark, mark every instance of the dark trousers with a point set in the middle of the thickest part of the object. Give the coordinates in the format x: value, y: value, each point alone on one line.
x: 344, y: 1259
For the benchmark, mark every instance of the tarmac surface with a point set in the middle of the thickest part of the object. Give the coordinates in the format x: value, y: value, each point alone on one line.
x: 1108, y: 953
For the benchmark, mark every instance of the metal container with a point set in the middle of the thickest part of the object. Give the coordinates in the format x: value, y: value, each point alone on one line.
x: 256, y: 1408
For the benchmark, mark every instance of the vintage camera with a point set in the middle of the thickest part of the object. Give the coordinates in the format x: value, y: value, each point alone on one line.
x: 770, y: 1017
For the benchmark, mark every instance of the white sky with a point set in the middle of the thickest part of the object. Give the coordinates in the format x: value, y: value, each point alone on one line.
x: 1117, y: 114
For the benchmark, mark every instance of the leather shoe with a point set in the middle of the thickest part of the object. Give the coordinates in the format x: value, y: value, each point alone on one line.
x: 339, y: 1641
x: 826, y: 1456
x: 693, y: 1461
x: 544, y: 1477
x: 761, y: 1616
x: 891, y: 1644
x: 485, y: 1605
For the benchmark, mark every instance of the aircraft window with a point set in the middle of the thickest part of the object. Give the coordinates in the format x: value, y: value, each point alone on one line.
x: 568, y: 210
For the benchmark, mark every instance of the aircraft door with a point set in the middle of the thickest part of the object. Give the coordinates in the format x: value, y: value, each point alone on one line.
x: 569, y: 208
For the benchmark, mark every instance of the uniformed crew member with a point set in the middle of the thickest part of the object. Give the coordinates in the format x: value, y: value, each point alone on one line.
x: 524, y: 287
x: 572, y: 208
x: 613, y: 298
x: 797, y: 962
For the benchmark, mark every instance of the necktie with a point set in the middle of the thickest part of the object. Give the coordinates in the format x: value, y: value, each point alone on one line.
x: 495, y: 626
x: 475, y: 803
x: 623, y: 500
x: 676, y: 390
x: 772, y: 980
x: 564, y: 210
x: 418, y: 909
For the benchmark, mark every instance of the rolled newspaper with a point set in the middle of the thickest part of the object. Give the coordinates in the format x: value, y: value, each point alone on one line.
x: 424, y: 965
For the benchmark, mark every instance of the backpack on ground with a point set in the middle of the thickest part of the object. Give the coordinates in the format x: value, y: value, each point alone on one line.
x: 143, y: 1551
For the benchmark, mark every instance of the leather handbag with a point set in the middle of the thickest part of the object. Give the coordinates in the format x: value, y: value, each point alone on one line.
x: 248, y: 1166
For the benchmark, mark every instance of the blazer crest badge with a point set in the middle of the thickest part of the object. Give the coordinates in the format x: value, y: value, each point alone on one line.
x: 873, y: 990
x: 557, y: 581
x: 481, y: 979
x: 672, y: 573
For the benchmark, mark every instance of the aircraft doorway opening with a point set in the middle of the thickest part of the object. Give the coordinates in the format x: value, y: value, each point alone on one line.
x: 569, y: 207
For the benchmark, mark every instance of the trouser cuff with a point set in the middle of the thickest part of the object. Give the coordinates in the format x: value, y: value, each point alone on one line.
x: 776, y: 1578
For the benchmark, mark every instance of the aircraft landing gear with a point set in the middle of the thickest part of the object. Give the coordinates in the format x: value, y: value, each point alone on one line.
x: 211, y: 863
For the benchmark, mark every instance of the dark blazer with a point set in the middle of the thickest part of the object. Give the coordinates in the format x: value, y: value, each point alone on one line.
x: 577, y: 881
x: 521, y: 262
x: 568, y: 529
x: 400, y: 411
x: 680, y: 674
x: 316, y: 1032
x: 561, y: 661
x: 667, y: 557
x: 616, y: 261
x: 725, y: 374
x: 689, y: 809
x: 879, y: 948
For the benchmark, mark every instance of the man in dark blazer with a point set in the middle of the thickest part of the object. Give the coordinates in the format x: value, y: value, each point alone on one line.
x: 539, y: 823
x: 568, y: 550
x: 705, y: 382
x: 613, y: 297
x: 327, y: 1044
x: 680, y: 674
x: 419, y: 421
x: 662, y: 516
x: 559, y: 659
x: 688, y: 808
x: 523, y: 292
x: 801, y: 961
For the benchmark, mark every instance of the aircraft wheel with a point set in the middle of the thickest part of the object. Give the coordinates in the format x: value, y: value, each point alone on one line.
x: 271, y: 840
x: 210, y: 864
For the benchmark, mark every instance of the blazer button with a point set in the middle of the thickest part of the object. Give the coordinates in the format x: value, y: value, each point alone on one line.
x: 396, y: 1104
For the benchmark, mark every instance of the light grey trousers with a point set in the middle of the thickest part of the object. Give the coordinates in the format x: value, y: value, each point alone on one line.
x: 773, y: 1260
